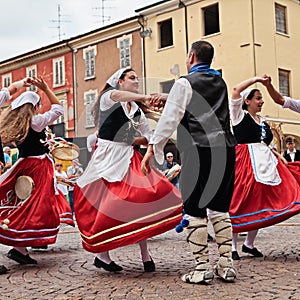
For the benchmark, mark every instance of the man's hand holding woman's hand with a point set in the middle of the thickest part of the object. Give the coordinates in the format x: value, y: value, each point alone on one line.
x: 156, y: 101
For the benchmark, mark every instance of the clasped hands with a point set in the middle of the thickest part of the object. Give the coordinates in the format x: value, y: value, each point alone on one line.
x: 156, y: 101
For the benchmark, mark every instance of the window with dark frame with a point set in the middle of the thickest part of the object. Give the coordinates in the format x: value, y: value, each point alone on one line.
x: 6, y: 80
x: 89, y: 103
x: 166, y: 33
x: 284, y: 82
x: 165, y: 86
x: 31, y: 72
x: 61, y: 118
x: 211, y: 19
x: 125, y: 55
x: 280, y: 17
x: 58, y: 72
x: 90, y: 63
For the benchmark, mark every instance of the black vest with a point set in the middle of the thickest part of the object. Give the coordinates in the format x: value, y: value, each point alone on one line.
x: 32, y: 145
x: 114, y: 125
x: 248, y: 131
x: 288, y: 157
x: 206, y: 120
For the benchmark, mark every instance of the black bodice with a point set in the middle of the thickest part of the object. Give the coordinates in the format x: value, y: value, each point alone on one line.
x: 248, y: 131
x: 114, y: 125
x: 32, y: 145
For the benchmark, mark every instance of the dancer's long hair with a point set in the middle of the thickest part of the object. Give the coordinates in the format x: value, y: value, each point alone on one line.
x: 15, y: 124
x: 96, y: 107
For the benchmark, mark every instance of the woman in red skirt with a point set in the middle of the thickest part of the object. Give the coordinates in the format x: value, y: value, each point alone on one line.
x: 265, y: 191
x: 115, y: 204
x: 5, y: 95
x: 33, y: 221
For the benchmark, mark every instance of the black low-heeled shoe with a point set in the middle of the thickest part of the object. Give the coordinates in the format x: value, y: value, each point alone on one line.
x: 111, y: 267
x: 209, y: 238
x: 235, y: 255
x: 3, y: 269
x: 252, y: 251
x: 149, y: 266
x: 20, y: 258
x: 39, y: 247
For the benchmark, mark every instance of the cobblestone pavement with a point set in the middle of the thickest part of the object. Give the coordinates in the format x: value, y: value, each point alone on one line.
x: 66, y: 271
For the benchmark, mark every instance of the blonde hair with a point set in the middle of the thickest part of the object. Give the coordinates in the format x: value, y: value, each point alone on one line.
x: 15, y: 124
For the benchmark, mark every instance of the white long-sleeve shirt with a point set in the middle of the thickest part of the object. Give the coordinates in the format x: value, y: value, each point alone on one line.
x: 4, y: 95
x: 178, y: 100
x: 292, y: 104
x: 40, y: 121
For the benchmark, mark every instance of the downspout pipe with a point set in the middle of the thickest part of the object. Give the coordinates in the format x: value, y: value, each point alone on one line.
x: 74, y: 88
x: 253, y: 39
x: 182, y: 5
x: 140, y: 21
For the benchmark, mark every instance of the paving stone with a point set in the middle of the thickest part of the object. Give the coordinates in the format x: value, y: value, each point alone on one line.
x: 65, y: 271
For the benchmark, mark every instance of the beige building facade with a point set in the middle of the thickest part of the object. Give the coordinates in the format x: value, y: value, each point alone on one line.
x: 251, y: 37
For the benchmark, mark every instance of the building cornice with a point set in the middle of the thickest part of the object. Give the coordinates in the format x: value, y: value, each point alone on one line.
x: 163, y: 7
x: 104, y: 34
x: 34, y: 57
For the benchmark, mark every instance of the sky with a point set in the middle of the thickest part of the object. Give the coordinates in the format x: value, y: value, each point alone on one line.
x: 32, y: 24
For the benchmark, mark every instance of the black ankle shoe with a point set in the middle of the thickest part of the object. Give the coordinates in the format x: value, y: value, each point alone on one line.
x: 40, y: 247
x: 149, y: 266
x: 112, y: 267
x: 3, y: 270
x: 235, y: 255
x: 209, y: 238
x: 253, y: 251
x: 20, y: 258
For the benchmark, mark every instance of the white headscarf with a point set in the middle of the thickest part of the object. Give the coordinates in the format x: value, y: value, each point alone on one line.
x: 245, y: 93
x: 26, y: 97
x: 113, y: 79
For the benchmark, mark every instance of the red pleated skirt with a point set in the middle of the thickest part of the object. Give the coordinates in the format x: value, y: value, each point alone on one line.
x: 255, y: 205
x: 115, y: 214
x: 34, y: 221
x: 294, y: 168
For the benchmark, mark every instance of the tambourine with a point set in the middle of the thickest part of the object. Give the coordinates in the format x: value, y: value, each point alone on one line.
x: 65, y: 151
x: 24, y: 187
x: 173, y: 172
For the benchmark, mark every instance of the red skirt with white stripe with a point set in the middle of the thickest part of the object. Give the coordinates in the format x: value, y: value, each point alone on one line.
x: 64, y: 210
x: 34, y: 221
x: 256, y: 205
x: 115, y: 214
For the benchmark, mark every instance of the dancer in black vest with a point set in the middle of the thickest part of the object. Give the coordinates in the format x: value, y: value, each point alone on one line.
x: 115, y: 204
x: 265, y: 191
x: 33, y: 221
x: 197, y: 107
